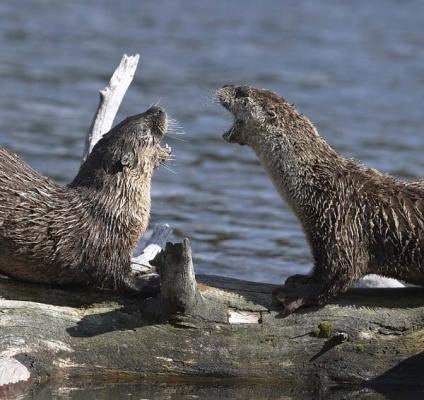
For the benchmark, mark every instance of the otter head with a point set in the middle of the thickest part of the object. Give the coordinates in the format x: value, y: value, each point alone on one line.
x: 129, y: 152
x: 256, y: 112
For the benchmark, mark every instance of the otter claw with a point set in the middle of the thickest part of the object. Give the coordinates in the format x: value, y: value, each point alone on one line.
x: 288, y: 298
x: 298, y: 291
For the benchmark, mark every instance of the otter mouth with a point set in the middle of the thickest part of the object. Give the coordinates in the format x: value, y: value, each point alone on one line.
x: 157, y: 119
x: 164, y: 153
x: 231, y: 135
x: 165, y: 150
x: 225, y: 96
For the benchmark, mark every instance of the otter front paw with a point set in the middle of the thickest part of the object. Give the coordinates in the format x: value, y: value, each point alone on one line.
x: 288, y: 298
x: 145, y: 285
x: 297, y: 292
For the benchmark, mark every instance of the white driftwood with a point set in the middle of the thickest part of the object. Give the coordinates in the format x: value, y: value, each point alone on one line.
x: 148, y: 249
x: 110, y: 100
x: 378, y: 281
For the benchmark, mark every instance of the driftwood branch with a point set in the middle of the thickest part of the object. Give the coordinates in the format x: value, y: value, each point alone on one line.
x: 110, y: 99
x: 148, y: 249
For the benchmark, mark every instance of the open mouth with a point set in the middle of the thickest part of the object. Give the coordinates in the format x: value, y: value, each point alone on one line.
x: 233, y: 134
x: 228, y: 134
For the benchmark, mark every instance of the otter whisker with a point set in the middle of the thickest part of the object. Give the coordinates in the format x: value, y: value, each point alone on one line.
x: 174, y: 128
x: 156, y: 103
x: 169, y: 169
x: 177, y: 138
x: 176, y: 132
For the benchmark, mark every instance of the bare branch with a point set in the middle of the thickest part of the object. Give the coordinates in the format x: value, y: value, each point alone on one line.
x: 110, y: 100
x: 148, y: 249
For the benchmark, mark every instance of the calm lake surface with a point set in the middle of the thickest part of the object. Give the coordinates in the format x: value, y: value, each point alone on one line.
x: 355, y: 68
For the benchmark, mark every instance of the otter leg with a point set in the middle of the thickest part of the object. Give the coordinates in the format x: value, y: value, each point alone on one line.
x: 330, y: 277
x: 140, y: 280
x: 297, y: 291
x: 144, y: 284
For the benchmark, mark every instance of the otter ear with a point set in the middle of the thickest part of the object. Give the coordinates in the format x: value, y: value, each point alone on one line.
x: 272, y: 115
x: 127, y: 159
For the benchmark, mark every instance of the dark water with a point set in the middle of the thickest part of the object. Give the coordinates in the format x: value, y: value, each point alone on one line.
x: 355, y: 68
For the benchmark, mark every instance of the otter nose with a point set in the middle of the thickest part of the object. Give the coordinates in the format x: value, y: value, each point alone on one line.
x: 155, y: 110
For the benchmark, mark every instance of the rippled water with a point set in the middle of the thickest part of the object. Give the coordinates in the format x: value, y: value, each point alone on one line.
x: 356, y: 69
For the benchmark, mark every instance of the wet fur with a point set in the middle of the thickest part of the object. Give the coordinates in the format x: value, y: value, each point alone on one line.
x: 83, y: 233
x: 357, y: 220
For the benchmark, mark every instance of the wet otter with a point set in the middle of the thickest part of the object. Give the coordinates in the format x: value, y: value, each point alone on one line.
x: 83, y: 233
x: 356, y: 219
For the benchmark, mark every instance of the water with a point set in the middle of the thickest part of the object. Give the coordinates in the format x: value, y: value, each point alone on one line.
x: 356, y: 69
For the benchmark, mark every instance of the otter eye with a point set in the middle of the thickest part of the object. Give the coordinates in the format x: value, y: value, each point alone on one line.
x: 241, y: 92
x: 271, y: 114
x: 127, y: 159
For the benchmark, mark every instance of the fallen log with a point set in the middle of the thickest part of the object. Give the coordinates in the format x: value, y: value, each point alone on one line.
x: 215, y: 327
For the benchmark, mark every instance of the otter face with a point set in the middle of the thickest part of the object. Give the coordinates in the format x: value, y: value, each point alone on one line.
x: 137, y: 140
x: 254, y: 110
x: 132, y: 149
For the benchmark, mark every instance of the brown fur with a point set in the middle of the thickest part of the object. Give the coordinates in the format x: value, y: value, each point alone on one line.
x: 83, y: 233
x: 356, y: 219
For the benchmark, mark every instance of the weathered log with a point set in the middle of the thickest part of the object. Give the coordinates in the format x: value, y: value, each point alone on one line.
x: 371, y: 337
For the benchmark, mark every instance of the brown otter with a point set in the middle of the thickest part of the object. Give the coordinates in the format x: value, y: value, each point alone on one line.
x: 83, y: 233
x: 356, y: 219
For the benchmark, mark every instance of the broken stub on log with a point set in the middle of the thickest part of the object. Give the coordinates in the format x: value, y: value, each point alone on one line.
x: 183, y: 301
x: 180, y: 299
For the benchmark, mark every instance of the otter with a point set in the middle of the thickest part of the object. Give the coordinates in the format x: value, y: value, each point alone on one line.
x: 83, y: 233
x: 357, y: 220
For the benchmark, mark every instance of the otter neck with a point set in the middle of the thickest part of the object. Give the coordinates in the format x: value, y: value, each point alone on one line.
x: 122, y: 203
x: 300, y: 164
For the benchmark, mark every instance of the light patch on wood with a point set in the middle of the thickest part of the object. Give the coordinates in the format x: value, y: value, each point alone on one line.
x: 28, y: 306
x: 66, y: 363
x: 365, y: 335
x: 164, y: 359
x: 57, y: 345
x: 243, y: 317
x: 12, y: 371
